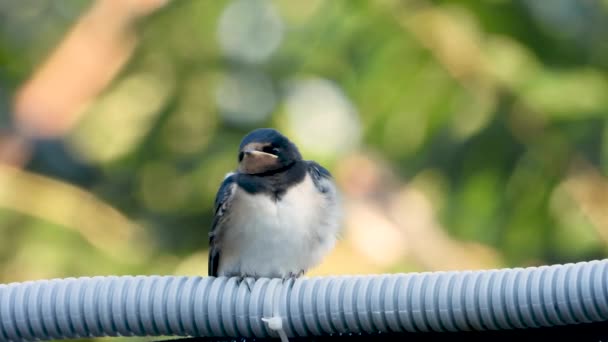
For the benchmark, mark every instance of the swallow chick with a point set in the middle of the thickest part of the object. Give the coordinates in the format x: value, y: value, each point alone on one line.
x: 276, y: 216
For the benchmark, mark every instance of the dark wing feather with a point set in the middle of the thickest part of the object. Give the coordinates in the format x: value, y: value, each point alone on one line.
x: 222, y: 204
x: 318, y: 174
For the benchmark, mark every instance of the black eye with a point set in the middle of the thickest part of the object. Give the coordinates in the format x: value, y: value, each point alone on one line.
x: 270, y: 149
x: 241, y: 155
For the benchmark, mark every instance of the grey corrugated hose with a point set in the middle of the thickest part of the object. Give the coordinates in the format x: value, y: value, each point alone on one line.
x: 201, y: 306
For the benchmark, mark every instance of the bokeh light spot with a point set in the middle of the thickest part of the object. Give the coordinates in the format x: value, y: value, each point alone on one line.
x: 245, y: 97
x: 250, y: 30
x: 321, y: 117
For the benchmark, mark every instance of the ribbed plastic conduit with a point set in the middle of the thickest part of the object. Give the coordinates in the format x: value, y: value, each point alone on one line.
x: 199, y: 306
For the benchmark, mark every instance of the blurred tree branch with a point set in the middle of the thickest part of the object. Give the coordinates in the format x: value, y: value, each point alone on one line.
x: 86, y: 61
x: 13, y: 149
x: 71, y: 207
x: 50, y: 103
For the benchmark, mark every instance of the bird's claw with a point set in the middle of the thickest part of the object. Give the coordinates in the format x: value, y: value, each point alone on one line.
x: 293, y: 276
x: 249, y: 282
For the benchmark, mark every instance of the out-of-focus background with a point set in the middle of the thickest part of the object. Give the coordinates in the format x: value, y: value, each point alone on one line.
x: 463, y: 134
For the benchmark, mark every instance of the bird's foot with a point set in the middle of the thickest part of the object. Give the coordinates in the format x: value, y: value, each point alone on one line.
x: 249, y: 282
x: 293, y: 276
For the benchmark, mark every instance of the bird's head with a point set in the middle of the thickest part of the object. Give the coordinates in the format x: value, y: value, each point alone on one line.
x: 266, y: 150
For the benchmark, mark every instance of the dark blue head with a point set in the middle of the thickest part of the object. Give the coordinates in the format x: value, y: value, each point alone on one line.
x: 264, y: 150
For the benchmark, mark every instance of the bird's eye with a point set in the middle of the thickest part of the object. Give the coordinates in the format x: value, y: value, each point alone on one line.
x: 270, y: 149
x: 241, y: 155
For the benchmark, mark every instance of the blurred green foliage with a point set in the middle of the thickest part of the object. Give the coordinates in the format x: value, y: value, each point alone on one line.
x: 501, y: 100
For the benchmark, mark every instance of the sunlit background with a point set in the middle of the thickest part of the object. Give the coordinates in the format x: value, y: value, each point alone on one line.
x: 463, y: 134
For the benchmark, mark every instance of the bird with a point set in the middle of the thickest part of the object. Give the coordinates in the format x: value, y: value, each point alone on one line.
x: 276, y: 215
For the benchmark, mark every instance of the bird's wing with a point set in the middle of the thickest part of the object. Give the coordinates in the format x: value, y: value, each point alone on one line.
x: 320, y: 177
x: 223, y: 199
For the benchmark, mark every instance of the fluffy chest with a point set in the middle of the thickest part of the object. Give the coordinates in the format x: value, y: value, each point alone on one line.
x: 268, y: 236
x: 295, y: 213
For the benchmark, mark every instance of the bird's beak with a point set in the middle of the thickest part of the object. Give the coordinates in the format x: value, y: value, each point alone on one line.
x: 256, y: 153
x: 256, y: 161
